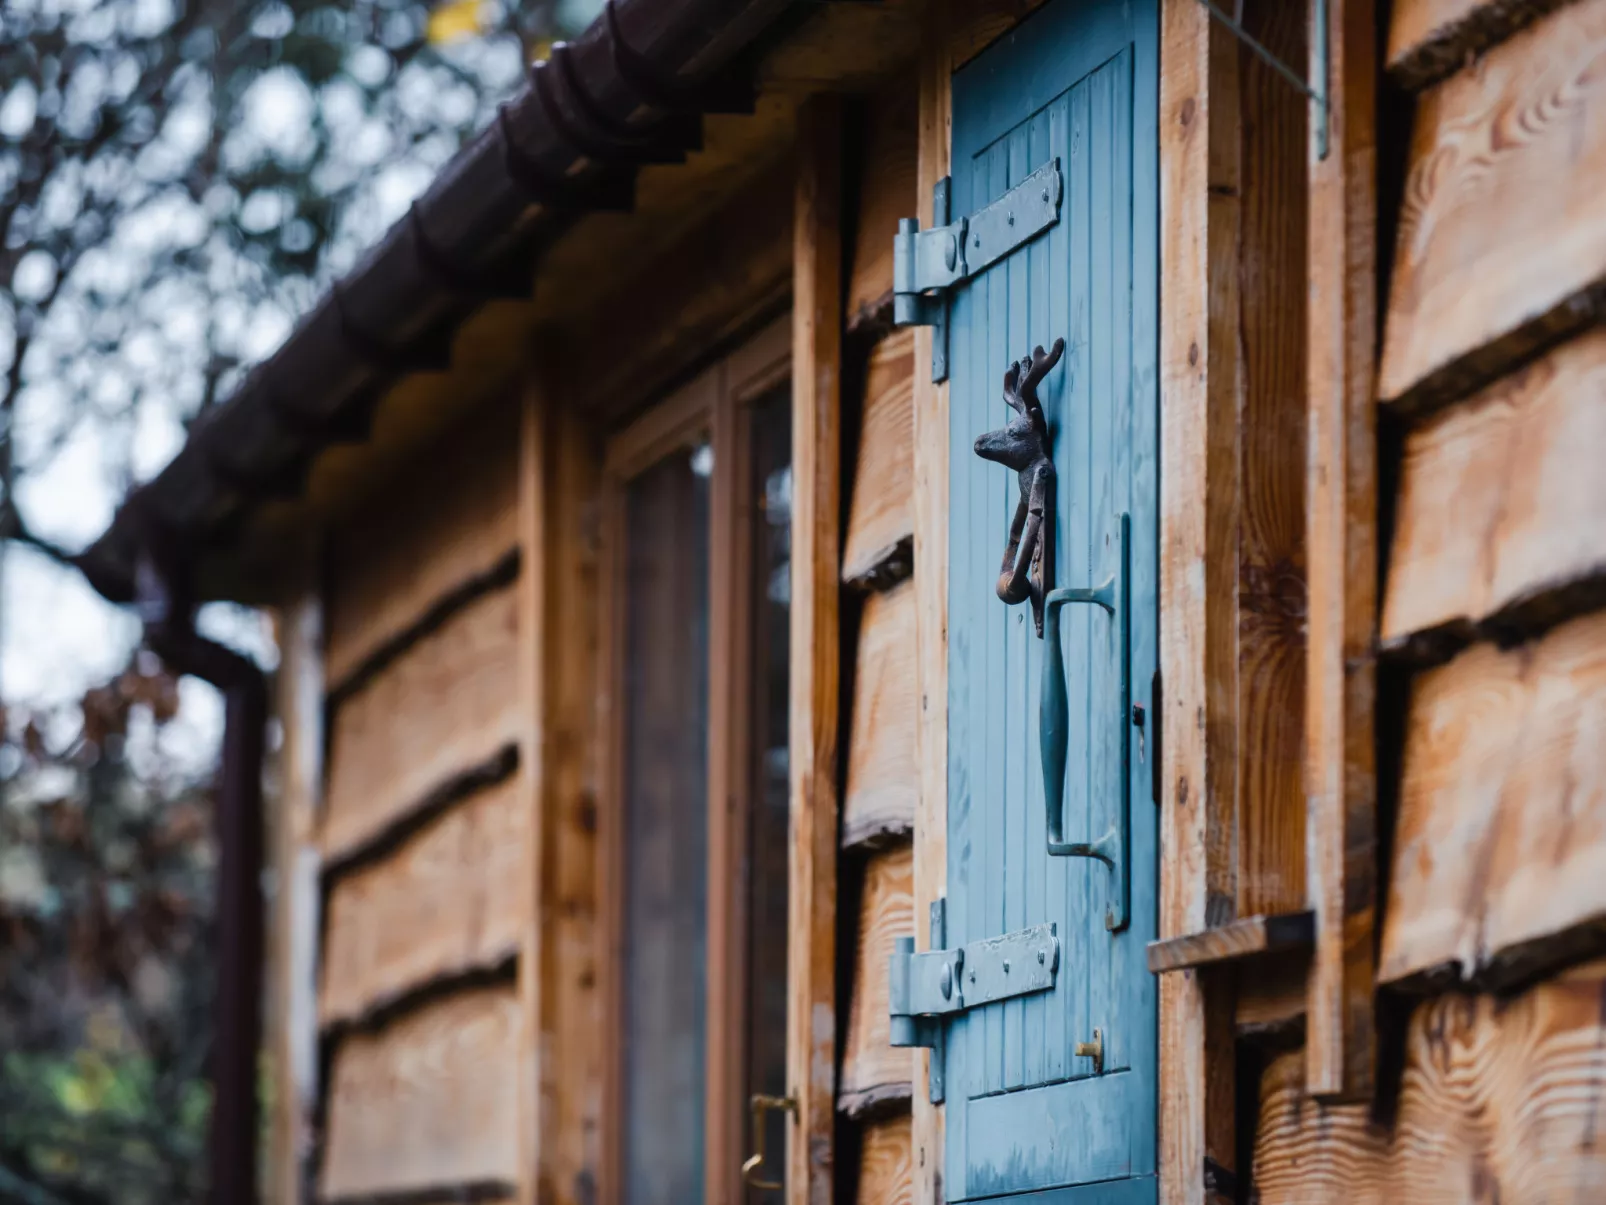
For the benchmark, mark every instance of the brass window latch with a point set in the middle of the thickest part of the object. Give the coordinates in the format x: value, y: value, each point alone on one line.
x: 762, y: 1104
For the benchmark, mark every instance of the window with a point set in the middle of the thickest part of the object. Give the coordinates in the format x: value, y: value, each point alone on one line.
x: 694, y: 820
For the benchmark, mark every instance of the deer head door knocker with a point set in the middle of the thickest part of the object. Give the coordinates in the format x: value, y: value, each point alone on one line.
x: 1023, y: 444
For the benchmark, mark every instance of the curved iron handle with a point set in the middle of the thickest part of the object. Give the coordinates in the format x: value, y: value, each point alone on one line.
x: 762, y: 1104
x: 1114, y: 595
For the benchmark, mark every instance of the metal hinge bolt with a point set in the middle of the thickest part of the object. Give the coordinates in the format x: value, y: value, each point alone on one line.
x: 1093, y: 1050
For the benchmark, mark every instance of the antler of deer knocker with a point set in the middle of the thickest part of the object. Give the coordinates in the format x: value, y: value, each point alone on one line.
x: 1023, y: 444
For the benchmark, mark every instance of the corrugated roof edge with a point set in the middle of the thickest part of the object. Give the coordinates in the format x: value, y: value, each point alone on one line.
x: 632, y: 90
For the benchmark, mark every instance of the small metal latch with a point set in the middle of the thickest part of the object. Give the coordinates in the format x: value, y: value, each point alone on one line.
x: 927, y: 263
x: 1092, y: 1050
x: 923, y: 988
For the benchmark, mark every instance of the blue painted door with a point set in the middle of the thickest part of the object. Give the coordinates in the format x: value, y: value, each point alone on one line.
x: 1076, y: 82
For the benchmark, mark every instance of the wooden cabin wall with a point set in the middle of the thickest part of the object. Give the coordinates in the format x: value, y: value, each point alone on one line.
x: 1491, y: 397
x: 457, y: 940
x: 881, y: 786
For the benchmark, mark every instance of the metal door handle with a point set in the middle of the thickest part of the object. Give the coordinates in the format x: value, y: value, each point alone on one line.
x: 761, y: 1105
x: 1113, y: 848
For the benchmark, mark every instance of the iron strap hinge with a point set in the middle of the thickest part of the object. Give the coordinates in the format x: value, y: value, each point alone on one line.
x: 924, y: 988
x: 926, y: 264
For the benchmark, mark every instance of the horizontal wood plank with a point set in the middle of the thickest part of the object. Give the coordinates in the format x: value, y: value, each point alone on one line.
x: 886, y: 193
x: 447, y: 704
x: 883, y: 782
x: 430, y: 1102
x: 1502, y: 234
x: 1501, y: 512
x: 880, y: 535
x: 1243, y: 938
x: 449, y: 900
x: 1500, y: 1101
x: 1269, y: 1003
x: 450, y: 518
x: 1500, y: 850
x: 886, y: 1170
x: 1430, y: 39
x: 874, y: 1072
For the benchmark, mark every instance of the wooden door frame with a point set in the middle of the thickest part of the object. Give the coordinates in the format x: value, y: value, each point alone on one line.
x: 1195, y: 1033
x: 716, y: 405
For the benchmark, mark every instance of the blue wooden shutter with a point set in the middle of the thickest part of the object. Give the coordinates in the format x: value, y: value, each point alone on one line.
x: 1078, y: 82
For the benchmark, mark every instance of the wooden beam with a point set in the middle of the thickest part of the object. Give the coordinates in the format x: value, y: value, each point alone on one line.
x: 811, y: 1038
x: 395, y: 741
x: 1235, y: 940
x: 529, y: 788
x: 446, y: 517
x: 882, y: 791
x: 1500, y: 847
x: 1341, y: 546
x: 886, y: 1171
x: 448, y: 902
x: 1498, y: 1102
x: 1502, y: 236
x: 428, y: 1105
x: 1198, y: 582
x: 1500, y: 521
x: 874, y: 1072
x: 1431, y: 39
x: 931, y: 591
x: 880, y: 532
x: 296, y: 920
x: 572, y: 1040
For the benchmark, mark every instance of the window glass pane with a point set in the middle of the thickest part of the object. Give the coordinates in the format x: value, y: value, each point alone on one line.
x: 665, y: 812
x: 771, y: 498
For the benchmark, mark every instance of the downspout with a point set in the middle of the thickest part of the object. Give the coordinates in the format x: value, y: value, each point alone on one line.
x: 168, y: 614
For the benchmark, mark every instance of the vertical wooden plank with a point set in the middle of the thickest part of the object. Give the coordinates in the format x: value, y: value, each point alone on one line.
x: 1270, y: 873
x: 815, y: 656
x: 296, y: 904
x: 729, y: 700
x: 1198, y: 485
x: 533, y: 428
x: 931, y: 593
x: 572, y: 1041
x: 1342, y: 550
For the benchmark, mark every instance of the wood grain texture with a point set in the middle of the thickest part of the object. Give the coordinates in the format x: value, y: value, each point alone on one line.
x: 883, y: 781
x: 881, y: 512
x: 1502, y: 237
x: 1500, y: 850
x: 873, y: 1071
x: 293, y: 1000
x: 886, y: 1172
x: 1500, y: 1101
x: 1242, y: 938
x: 1341, y: 551
x: 886, y: 171
x: 1198, y: 118
x: 1270, y: 1000
x: 448, y: 703
x: 1430, y: 39
x: 448, y: 901
x: 525, y: 852
x: 453, y: 515
x: 1501, y: 512
x: 815, y: 667
x: 571, y: 1037
x: 1269, y: 874
x: 931, y: 591
x: 430, y: 1102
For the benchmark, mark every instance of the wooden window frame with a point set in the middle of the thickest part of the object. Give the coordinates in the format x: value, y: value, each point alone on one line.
x: 715, y: 406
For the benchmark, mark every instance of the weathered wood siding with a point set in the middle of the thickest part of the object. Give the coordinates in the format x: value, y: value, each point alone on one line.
x: 881, y: 791
x: 1492, y: 389
x: 428, y: 1104
x: 425, y: 830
